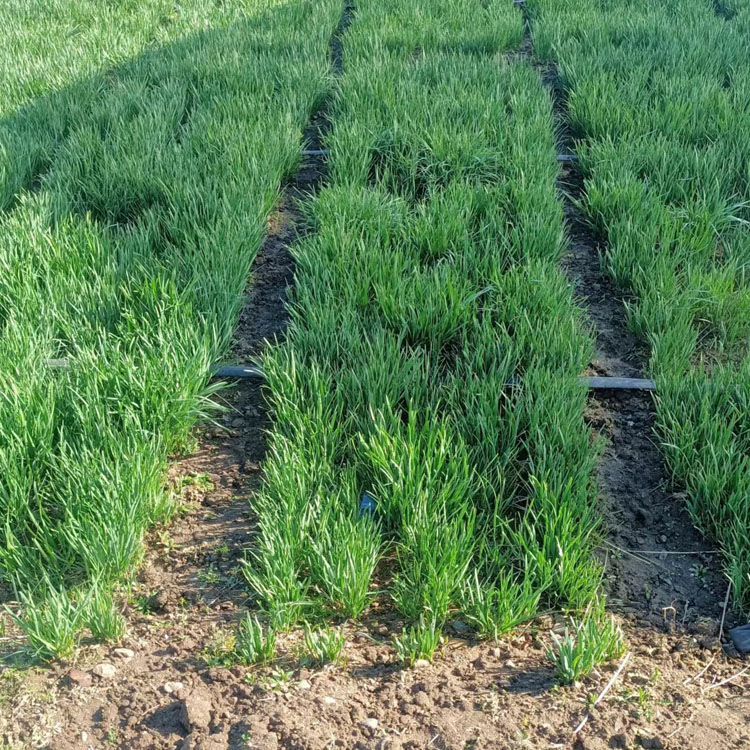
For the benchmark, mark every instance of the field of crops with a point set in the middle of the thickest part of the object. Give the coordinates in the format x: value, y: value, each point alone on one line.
x: 663, y: 118
x: 430, y: 451
x: 427, y: 288
x: 140, y: 155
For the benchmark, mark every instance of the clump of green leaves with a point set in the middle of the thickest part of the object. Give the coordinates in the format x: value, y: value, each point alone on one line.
x: 342, y: 557
x: 253, y: 644
x: 50, y: 624
x: 103, y: 618
x: 419, y: 641
x: 323, y: 646
x: 499, y: 607
x: 593, y: 639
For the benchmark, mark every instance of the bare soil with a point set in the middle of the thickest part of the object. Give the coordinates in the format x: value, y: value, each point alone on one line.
x: 476, y: 695
x: 170, y: 688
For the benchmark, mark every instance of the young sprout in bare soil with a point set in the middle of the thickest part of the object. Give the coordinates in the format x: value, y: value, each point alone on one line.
x: 253, y: 644
x: 593, y: 639
x: 418, y: 642
x: 322, y: 646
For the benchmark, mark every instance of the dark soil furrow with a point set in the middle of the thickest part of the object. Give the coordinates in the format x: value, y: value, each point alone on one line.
x: 232, y: 455
x: 658, y: 568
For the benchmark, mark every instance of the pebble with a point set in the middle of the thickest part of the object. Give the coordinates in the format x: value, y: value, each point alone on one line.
x: 84, y: 736
x: 706, y: 626
x: 172, y: 687
x: 304, y: 684
x: 107, y: 671
x: 124, y: 653
x: 421, y: 664
x: 460, y: 626
x: 652, y: 743
x: 710, y: 643
x: 80, y: 678
x: 328, y: 700
x: 371, y: 723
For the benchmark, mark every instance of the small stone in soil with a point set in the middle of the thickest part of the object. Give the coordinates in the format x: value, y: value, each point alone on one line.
x: 423, y: 700
x: 705, y: 626
x: 329, y: 701
x: 124, y: 653
x: 80, y: 678
x: 421, y: 663
x: 304, y: 684
x: 172, y: 687
x: 104, y: 670
x: 159, y: 601
x: 370, y: 723
x: 652, y: 743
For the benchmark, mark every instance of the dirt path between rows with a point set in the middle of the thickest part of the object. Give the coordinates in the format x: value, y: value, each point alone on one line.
x: 660, y: 571
x: 659, y: 568
x: 170, y: 689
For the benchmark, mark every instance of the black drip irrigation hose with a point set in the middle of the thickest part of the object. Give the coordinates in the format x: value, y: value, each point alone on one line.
x: 617, y: 384
x: 562, y: 158
x: 253, y: 372
x: 250, y: 372
x: 594, y: 383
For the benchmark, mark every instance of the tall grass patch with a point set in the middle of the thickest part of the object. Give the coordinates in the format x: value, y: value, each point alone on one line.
x: 426, y: 405
x: 141, y: 150
x: 662, y: 118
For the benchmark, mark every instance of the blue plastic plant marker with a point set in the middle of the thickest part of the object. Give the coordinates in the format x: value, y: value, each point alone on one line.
x: 368, y: 505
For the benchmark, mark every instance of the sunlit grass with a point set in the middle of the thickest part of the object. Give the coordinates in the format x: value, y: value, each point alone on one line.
x: 142, y: 147
x: 659, y: 98
x: 429, y: 283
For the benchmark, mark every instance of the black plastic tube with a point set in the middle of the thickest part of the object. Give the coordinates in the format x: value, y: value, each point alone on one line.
x: 238, y: 371
x: 618, y: 384
x: 594, y: 383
